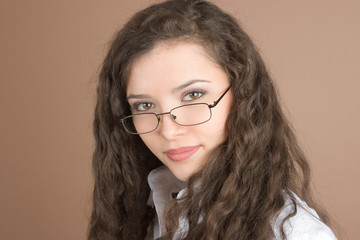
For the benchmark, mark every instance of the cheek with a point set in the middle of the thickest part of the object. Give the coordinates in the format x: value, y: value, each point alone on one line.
x: 216, y: 129
x: 220, y: 118
x: 213, y: 132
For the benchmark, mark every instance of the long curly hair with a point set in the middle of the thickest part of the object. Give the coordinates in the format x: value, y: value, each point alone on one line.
x: 243, y: 186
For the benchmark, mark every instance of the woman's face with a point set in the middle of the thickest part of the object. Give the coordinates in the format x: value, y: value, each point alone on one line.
x: 174, y: 74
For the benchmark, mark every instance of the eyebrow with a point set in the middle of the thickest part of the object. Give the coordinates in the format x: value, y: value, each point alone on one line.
x: 184, y: 85
x: 139, y: 96
x: 177, y: 89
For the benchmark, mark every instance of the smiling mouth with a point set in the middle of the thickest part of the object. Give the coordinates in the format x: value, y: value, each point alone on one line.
x: 182, y: 153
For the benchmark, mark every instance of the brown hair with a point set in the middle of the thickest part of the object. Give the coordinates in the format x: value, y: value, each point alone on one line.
x: 243, y: 186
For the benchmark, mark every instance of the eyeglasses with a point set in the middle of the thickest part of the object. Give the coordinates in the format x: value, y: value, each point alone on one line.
x: 185, y: 115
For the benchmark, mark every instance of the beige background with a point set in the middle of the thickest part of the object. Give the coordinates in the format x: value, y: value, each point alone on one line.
x: 50, y: 54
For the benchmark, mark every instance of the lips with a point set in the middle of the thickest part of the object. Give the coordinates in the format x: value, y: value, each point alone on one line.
x: 182, y: 153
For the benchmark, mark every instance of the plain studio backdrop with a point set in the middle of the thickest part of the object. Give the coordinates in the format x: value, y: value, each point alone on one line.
x: 50, y: 55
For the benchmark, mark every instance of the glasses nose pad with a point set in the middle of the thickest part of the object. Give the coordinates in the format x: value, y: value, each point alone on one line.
x: 173, y: 116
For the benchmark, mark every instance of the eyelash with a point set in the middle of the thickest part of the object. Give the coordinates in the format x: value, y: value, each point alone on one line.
x: 196, y: 91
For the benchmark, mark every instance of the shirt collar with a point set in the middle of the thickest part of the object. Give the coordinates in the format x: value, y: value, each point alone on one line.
x: 163, y: 185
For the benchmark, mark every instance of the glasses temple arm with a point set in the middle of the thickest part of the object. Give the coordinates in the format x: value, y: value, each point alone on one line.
x: 217, y: 101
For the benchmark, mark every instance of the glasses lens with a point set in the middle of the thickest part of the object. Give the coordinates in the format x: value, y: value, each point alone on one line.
x: 141, y: 123
x: 191, y: 114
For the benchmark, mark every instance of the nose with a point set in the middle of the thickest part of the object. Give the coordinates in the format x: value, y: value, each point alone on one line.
x: 168, y: 128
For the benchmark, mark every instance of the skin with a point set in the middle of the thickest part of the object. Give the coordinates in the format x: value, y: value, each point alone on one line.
x: 163, y: 79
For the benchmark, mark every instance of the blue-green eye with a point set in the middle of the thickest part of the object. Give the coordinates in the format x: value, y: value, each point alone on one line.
x: 143, y: 106
x: 193, y: 95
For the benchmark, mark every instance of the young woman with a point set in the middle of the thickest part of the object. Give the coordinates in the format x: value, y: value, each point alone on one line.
x: 191, y: 142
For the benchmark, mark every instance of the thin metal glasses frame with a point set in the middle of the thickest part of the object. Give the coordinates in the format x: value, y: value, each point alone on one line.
x: 173, y: 117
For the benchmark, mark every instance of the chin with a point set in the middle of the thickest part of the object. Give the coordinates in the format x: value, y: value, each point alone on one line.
x: 183, y: 175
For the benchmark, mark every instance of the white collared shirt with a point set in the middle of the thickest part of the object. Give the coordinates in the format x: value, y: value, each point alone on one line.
x: 305, y: 225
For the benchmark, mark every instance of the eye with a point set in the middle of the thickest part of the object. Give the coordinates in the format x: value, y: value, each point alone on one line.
x: 143, y: 106
x: 193, y: 95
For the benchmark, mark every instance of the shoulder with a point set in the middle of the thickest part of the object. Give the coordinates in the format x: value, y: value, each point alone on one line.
x: 304, y: 225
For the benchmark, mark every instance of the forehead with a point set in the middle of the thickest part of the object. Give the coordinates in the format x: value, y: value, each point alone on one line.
x: 170, y: 64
